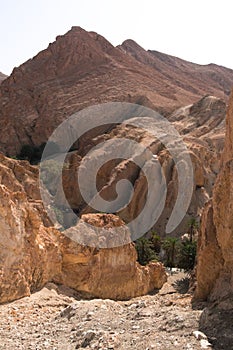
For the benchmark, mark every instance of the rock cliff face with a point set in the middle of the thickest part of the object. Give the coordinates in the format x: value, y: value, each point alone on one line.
x: 81, y: 69
x: 215, y: 262
x: 29, y: 254
x: 33, y: 252
x: 202, y: 126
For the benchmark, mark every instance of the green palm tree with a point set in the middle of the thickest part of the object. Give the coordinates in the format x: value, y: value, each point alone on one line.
x: 192, y: 227
x: 169, y: 245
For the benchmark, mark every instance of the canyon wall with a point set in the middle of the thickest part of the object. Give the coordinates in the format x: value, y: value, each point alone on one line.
x: 215, y: 253
x: 33, y: 252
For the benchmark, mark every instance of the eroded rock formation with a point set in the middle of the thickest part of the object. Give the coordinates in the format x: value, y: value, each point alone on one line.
x: 202, y: 126
x: 29, y: 251
x: 32, y: 252
x: 78, y: 70
x: 107, y: 273
x: 215, y: 259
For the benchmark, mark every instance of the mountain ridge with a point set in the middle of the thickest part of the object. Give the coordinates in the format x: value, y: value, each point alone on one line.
x: 81, y: 69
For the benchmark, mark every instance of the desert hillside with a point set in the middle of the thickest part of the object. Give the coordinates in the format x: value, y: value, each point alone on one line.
x: 81, y: 69
x: 63, y: 257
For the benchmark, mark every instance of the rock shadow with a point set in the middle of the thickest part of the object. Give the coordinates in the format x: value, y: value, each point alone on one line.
x: 217, y: 324
x: 182, y: 285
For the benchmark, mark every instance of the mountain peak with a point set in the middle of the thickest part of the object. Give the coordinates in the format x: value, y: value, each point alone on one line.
x: 82, y: 68
x: 77, y: 50
x: 130, y: 45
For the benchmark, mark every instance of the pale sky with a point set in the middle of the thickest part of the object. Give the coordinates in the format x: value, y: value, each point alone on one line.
x: 199, y: 31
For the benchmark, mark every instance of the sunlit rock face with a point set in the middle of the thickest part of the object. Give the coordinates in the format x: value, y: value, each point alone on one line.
x: 33, y: 252
x: 29, y: 249
x: 215, y: 255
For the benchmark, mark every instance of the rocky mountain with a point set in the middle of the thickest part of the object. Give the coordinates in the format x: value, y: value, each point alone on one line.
x: 192, y: 79
x: 78, y: 70
x: 2, y: 77
x: 81, y: 69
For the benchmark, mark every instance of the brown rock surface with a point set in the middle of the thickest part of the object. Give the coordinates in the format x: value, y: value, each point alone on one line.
x: 107, y: 273
x: 202, y: 125
x: 32, y: 252
x: 82, y: 69
x: 29, y: 253
x: 215, y: 263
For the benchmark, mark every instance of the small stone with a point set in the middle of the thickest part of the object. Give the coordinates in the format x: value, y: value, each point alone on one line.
x: 88, y: 337
x: 135, y: 327
x: 205, y: 344
x: 199, y: 335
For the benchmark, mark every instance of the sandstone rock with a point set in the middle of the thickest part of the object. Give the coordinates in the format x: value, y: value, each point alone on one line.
x: 210, y: 259
x: 81, y: 69
x: 204, y: 153
x: 215, y: 263
x: 32, y: 252
x: 29, y: 254
x: 107, y: 273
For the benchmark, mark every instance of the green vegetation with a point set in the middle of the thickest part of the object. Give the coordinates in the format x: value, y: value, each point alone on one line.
x: 50, y: 169
x: 156, y: 242
x: 145, y: 251
x: 170, y: 247
x: 186, y: 256
x: 173, y: 252
x: 192, y: 228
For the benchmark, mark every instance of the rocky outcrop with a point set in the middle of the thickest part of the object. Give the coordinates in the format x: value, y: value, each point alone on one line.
x: 32, y: 252
x: 107, y: 273
x: 202, y: 126
x: 215, y: 262
x: 81, y: 69
x: 29, y: 251
x: 210, y: 260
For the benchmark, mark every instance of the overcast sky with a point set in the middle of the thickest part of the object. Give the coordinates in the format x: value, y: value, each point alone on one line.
x: 199, y: 31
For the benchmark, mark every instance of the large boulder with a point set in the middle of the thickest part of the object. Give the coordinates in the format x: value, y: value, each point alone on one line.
x: 106, y: 273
